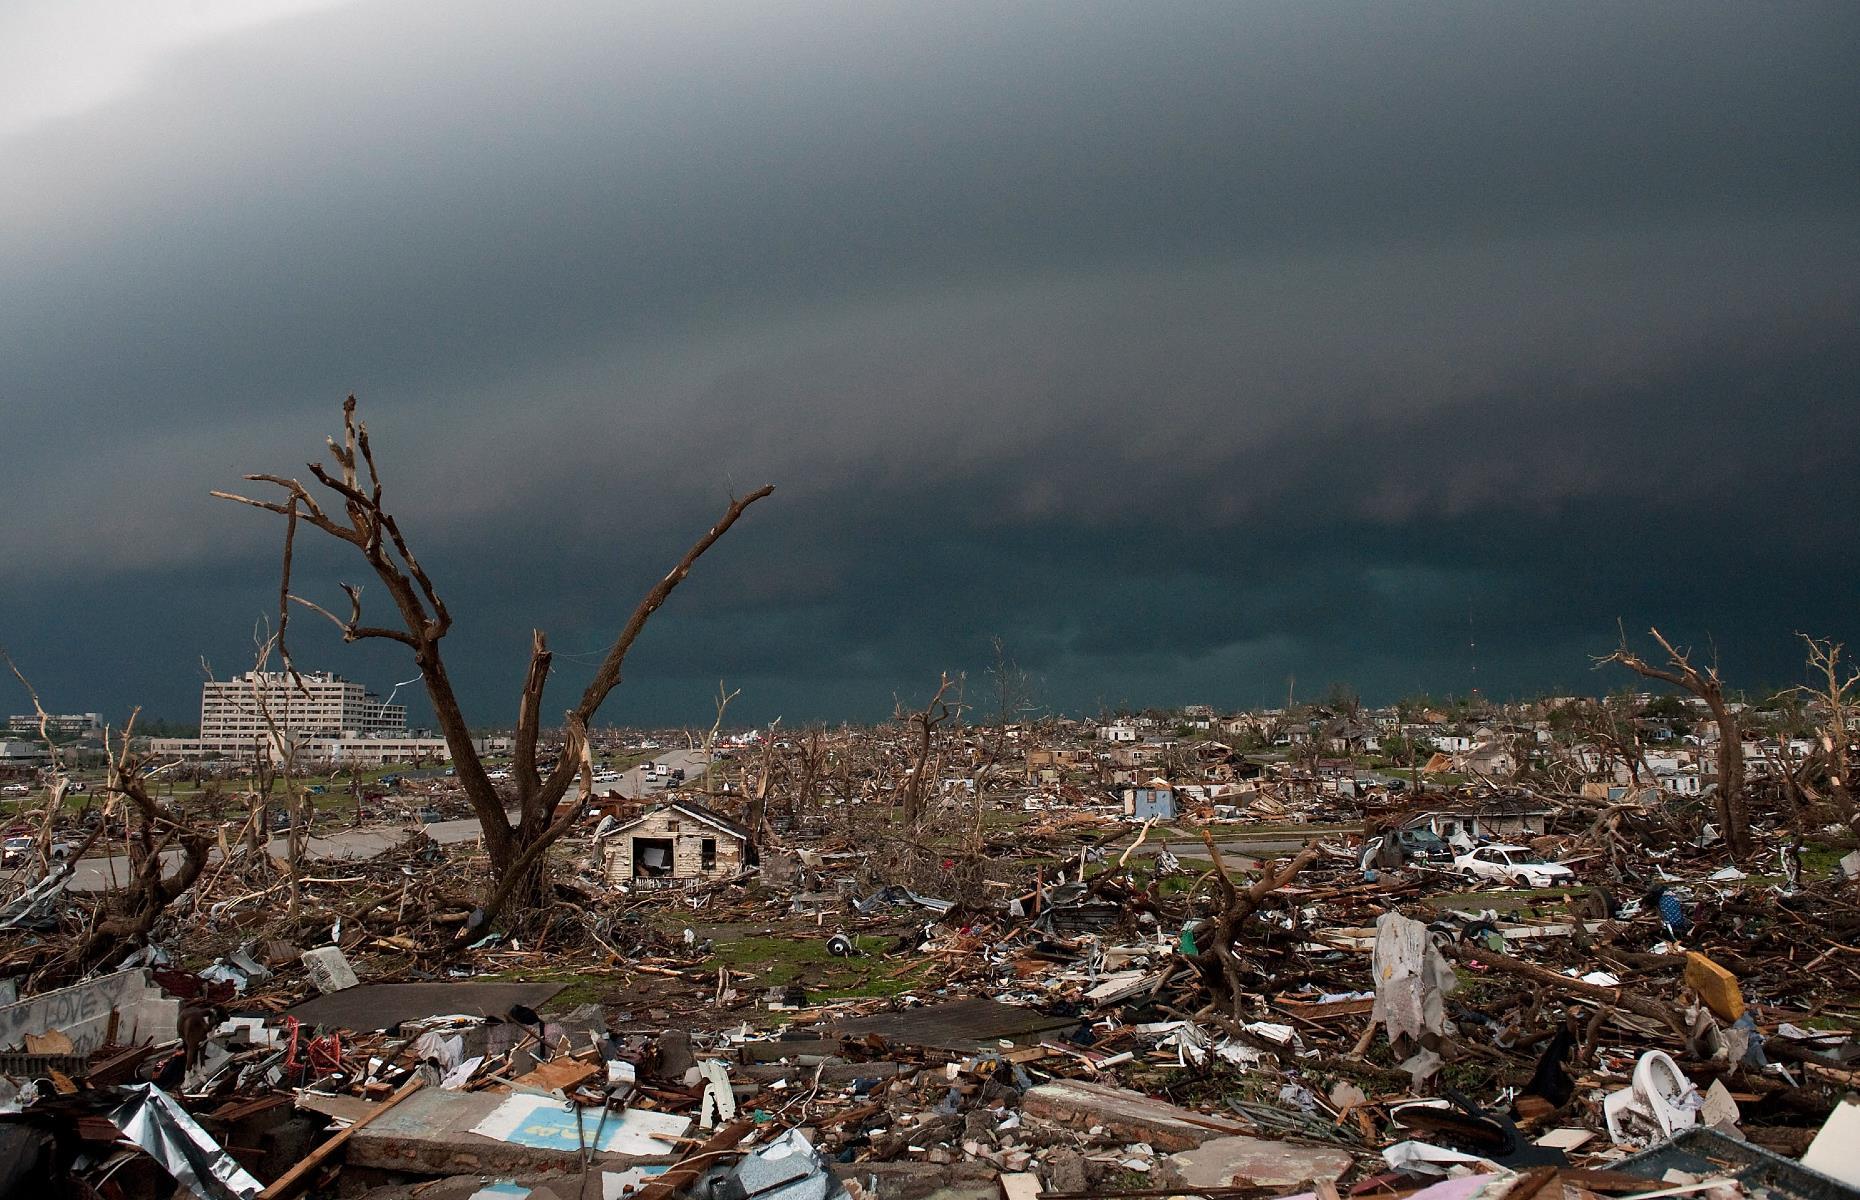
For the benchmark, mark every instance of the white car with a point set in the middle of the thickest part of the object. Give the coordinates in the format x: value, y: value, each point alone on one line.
x: 18, y: 849
x: 1518, y: 865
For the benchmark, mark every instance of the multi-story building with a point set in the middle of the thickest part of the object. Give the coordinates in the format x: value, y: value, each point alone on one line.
x: 318, y: 717
x: 322, y: 705
x: 58, y: 724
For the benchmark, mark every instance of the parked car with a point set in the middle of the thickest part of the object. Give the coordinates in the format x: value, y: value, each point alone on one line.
x: 1519, y: 865
x: 18, y: 849
x: 1420, y: 845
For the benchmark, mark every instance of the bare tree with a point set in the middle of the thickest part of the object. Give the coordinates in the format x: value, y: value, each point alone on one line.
x: 922, y: 726
x: 756, y: 802
x: 124, y: 918
x: 58, y: 780
x: 1837, y: 693
x: 1708, y: 686
x: 543, y: 809
x: 276, y: 763
x: 1608, y: 727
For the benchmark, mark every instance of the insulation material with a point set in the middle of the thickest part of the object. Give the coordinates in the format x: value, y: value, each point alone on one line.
x: 1412, y: 977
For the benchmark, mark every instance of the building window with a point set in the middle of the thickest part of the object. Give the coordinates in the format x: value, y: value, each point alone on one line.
x: 709, y: 860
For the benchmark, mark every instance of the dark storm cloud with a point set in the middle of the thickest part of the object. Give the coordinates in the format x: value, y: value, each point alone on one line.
x: 1184, y: 347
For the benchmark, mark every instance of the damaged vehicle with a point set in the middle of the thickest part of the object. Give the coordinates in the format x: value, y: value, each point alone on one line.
x: 1518, y: 865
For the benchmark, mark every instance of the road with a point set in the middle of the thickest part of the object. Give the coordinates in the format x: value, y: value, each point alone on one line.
x: 638, y: 783
x: 99, y: 874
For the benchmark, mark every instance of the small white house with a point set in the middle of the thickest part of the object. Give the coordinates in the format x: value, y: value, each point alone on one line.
x: 673, y: 844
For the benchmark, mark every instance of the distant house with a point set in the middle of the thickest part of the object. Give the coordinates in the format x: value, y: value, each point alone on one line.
x: 1684, y: 782
x: 1503, y: 818
x: 24, y: 754
x: 675, y: 843
x: 1352, y: 737
x: 1493, y: 758
x: 1154, y: 800
x: 1117, y: 733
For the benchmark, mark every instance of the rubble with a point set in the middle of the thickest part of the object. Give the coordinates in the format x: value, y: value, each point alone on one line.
x: 1032, y: 1002
x: 1088, y: 1107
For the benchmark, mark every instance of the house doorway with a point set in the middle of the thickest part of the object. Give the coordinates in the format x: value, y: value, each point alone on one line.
x: 652, y: 858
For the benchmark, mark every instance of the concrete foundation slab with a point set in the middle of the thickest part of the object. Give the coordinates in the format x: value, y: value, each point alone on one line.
x: 384, y: 1005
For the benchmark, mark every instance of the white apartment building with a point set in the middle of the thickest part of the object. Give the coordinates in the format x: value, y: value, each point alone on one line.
x: 325, y: 705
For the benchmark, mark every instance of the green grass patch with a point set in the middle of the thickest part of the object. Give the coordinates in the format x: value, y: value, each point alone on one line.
x: 579, y: 986
x: 780, y: 961
x: 1822, y: 858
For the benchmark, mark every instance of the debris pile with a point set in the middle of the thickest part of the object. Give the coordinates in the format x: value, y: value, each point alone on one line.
x: 1044, y: 1001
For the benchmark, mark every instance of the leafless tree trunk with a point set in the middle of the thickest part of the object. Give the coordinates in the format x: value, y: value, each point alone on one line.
x: 1708, y: 687
x: 277, y: 763
x: 127, y: 917
x: 1837, y: 693
x: 756, y: 795
x: 544, y: 811
x: 58, y: 781
x: 710, y: 739
x: 923, y: 726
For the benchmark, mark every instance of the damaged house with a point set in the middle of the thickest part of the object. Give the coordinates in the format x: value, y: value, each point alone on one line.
x: 675, y: 843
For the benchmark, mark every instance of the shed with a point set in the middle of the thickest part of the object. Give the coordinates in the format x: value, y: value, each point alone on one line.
x: 675, y: 843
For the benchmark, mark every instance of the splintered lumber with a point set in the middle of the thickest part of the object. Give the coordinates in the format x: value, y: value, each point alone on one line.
x: 1639, y: 1005
x: 685, y: 1172
x: 287, y: 1182
x: 558, y: 1074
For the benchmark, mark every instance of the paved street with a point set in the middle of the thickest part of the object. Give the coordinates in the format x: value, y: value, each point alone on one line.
x: 99, y: 874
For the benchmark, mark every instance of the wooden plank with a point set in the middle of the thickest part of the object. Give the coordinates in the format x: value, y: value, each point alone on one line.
x: 343, y: 1108
x: 287, y: 1182
x: 558, y: 1074
x: 687, y: 1169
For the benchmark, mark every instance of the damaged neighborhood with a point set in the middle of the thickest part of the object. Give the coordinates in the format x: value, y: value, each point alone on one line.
x: 1572, y: 946
x: 864, y: 600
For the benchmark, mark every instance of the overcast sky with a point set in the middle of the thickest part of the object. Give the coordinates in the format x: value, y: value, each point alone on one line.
x: 1186, y: 348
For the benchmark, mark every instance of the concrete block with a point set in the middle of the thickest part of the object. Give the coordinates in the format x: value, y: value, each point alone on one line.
x: 81, y: 1012
x: 153, y: 1018
x: 329, y: 969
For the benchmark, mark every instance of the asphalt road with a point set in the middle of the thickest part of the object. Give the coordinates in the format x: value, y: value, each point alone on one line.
x: 99, y: 874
